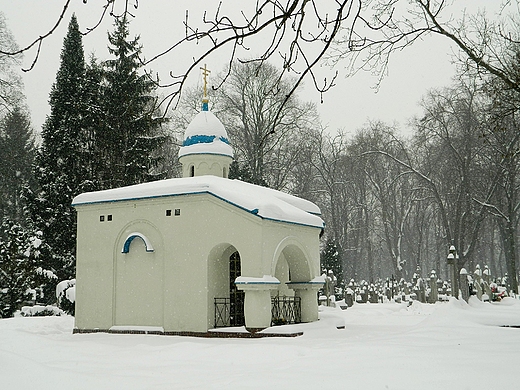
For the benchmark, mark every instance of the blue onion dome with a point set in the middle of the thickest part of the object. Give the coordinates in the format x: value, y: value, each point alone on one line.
x: 206, y: 135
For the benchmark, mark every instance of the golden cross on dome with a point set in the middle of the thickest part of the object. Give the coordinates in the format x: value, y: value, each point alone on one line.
x: 205, y: 73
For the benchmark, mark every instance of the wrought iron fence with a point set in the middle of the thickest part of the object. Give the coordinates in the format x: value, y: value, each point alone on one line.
x: 222, y: 312
x: 286, y: 310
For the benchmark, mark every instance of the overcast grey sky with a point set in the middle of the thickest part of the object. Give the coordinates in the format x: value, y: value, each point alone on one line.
x: 425, y: 65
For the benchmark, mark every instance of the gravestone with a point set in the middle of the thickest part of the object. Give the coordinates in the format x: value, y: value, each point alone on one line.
x: 464, y: 283
x: 477, y: 282
x: 486, y: 275
x: 349, y: 297
x: 434, y: 293
x: 363, y: 293
x: 373, y: 296
x: 420, y: 290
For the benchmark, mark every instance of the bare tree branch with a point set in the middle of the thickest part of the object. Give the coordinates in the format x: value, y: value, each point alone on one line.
x: 306, y: 33
x: 38, y: 42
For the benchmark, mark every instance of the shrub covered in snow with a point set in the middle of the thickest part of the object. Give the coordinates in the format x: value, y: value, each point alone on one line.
x: 41, y: 311
x: 66, y: 295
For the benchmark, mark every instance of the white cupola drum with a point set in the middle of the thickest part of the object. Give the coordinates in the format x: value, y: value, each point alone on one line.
x: 205, y: 149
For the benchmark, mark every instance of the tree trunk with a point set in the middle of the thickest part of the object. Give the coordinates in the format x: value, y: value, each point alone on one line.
x: 507, y: 231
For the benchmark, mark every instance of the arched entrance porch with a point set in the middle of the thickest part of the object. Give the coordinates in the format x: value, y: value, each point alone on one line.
x: 226, y: 302
x: 296, y: 297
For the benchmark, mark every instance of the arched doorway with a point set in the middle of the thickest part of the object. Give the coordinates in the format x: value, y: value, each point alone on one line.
x: 226, y: 301
x: 236, y: 297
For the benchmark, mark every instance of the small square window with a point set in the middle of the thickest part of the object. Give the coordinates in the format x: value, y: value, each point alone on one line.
x: 101, y: 218
x: 168, y: 213
x: 109, y: 217
x: 177, y: 211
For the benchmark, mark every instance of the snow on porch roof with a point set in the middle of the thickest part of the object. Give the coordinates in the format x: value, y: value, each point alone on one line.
x: 261, y: 201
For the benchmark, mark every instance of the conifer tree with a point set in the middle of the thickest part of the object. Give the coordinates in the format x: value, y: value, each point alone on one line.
x: 90, y: 147
x: 331, y: 261
x: 59, y: 169
x: 129, y: 136
x: 17, y: 149
x: 19, y: 253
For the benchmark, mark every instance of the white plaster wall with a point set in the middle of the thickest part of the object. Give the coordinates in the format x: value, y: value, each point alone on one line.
x: 182, y: 251
x: 139, y: 290
x: 210, y: 164
x: 192, y: 249
x: 94, y: 271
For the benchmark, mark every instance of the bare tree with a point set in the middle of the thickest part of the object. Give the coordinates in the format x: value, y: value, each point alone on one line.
x: 366, y: 199
x: 304, y: 33
x: 11, y: 95
x: 501, y: 138
x: 392, y: 187
x: 448, y: 139
x: 332, y: 194
x: 266, y: 128
x: 347, y: 203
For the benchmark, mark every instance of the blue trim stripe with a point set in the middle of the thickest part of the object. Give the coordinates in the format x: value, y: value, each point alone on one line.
x: 206, y: 153
x: 203, y: 139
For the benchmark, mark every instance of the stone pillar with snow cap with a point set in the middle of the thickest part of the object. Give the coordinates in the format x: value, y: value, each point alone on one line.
x: 257, y: 301
x: 307, y: 291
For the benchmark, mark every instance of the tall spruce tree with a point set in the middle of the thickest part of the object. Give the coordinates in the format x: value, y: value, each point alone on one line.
x: 92, y: 99
x: 17, y: 149
x: 59, y: 169
x: 129, y: 135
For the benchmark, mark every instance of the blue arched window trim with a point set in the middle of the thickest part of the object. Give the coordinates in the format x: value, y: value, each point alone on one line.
x: 130, y: 238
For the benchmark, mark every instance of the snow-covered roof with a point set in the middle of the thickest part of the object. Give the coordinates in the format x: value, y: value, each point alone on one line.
x: 206, y: 135
x: 261, y: 201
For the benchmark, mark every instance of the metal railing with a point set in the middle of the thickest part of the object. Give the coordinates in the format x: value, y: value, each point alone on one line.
x: 222, y: 312
x: 284, y: 310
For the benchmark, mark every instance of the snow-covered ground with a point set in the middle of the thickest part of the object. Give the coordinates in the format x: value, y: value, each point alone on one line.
x: 444, y: 346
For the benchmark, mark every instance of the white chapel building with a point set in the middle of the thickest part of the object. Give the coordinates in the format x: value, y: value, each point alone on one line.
x: 194, y: 253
